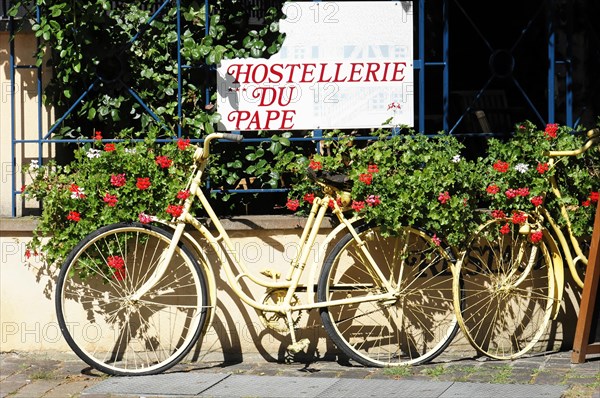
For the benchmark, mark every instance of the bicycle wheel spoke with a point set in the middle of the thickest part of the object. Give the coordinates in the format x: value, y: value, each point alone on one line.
x: 123, y: 334
x: 412, y: 327
x: 507, y: 287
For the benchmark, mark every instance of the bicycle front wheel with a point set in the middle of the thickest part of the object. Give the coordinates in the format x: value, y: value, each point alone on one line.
x: 507, y: 291
x: 110, y: 329
x: 415, y: 326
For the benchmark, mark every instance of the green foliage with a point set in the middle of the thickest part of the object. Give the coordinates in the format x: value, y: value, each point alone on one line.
x: 419, y: 180
x: 111, y: 46
x: 526, y: 171
x: 106, y: 183
x: 409, y: 179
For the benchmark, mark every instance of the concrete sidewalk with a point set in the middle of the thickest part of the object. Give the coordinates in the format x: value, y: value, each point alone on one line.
x: 63, y: 375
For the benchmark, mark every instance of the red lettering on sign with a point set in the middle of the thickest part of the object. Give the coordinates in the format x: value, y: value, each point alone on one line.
x: 355, y: 71
x: 306, y: 73
x: 398, y: 69
x: 271, y: 119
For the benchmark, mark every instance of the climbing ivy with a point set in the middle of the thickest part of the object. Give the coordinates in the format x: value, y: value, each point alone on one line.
x: 116, y: 66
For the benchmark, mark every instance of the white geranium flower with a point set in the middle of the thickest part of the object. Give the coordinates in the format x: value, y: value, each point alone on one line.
x: 93, y: 153
x: 78, y: 193
x: 456, y: 159
x: 522, y: 168
x: 34, y: 164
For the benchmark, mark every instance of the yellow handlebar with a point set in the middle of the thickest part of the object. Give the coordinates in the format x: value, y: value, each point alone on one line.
x: 593, y: 138
x: 202, y: 153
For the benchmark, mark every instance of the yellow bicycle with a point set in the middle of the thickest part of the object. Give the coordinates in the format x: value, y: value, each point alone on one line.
x: 507, y: 287
x: 134, y: 298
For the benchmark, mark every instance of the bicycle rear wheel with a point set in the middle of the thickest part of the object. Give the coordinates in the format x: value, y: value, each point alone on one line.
x: 413, y: 328
x: 111, y: 331
x: 507, y: 292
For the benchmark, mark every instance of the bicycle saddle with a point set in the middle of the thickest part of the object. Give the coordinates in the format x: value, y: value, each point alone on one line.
x: 336, y: 180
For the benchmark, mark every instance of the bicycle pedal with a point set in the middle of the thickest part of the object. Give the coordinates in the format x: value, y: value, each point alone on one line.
x: 271, y: 273
x: 298, y: 346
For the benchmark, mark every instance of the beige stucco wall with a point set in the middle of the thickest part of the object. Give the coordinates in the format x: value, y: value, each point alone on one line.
x: 29, y: 116
x: 28, y: 320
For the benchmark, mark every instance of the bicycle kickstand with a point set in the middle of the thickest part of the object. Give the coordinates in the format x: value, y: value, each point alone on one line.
x: 297, y: 345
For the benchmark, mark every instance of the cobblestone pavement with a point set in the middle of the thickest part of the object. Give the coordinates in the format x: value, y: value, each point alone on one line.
x: 53, y: 375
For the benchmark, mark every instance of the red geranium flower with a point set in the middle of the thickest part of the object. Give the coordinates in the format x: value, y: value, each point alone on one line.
x: 524, y: 192
x: 358, y: 205
x: 183, y: 194
x: 510, y: 193
x: 542, y: 168
x: 498, y: 214
x: 110, y: 200
x: 550, y: 131
x: 316, y: 166
x: 175, y: 210
x: 586, y: 203
x: 292, y: 204
x: 98, y: 135
x: 519, y: 217
x: 119, y: 274
x: 309, y: 197
x: 500, y: 166
x: 76, y: 192
x: 117, y: 180
x: 493, y: 189
x: 116, y: 262
x: 110, y: 147
x: 74, y: 216
x: 443, y: 197
x: 594, y: 196
x: 373, y: 168
x: 143, y: 183
x: 505, y: 229
x: 164, y: 162
x: 366, y: 178
x: 536, y: 236
x: 183, y: 143
x: 537, y: 200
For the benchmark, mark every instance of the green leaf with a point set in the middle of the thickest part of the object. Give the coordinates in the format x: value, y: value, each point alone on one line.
x: 256, y: 52
x: 232, y: 179
x: 284, y: 141
x: 214, y: 118
x: 275, y: 147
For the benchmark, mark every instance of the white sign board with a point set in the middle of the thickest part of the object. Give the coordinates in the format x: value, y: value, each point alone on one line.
x: 342, y: 65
